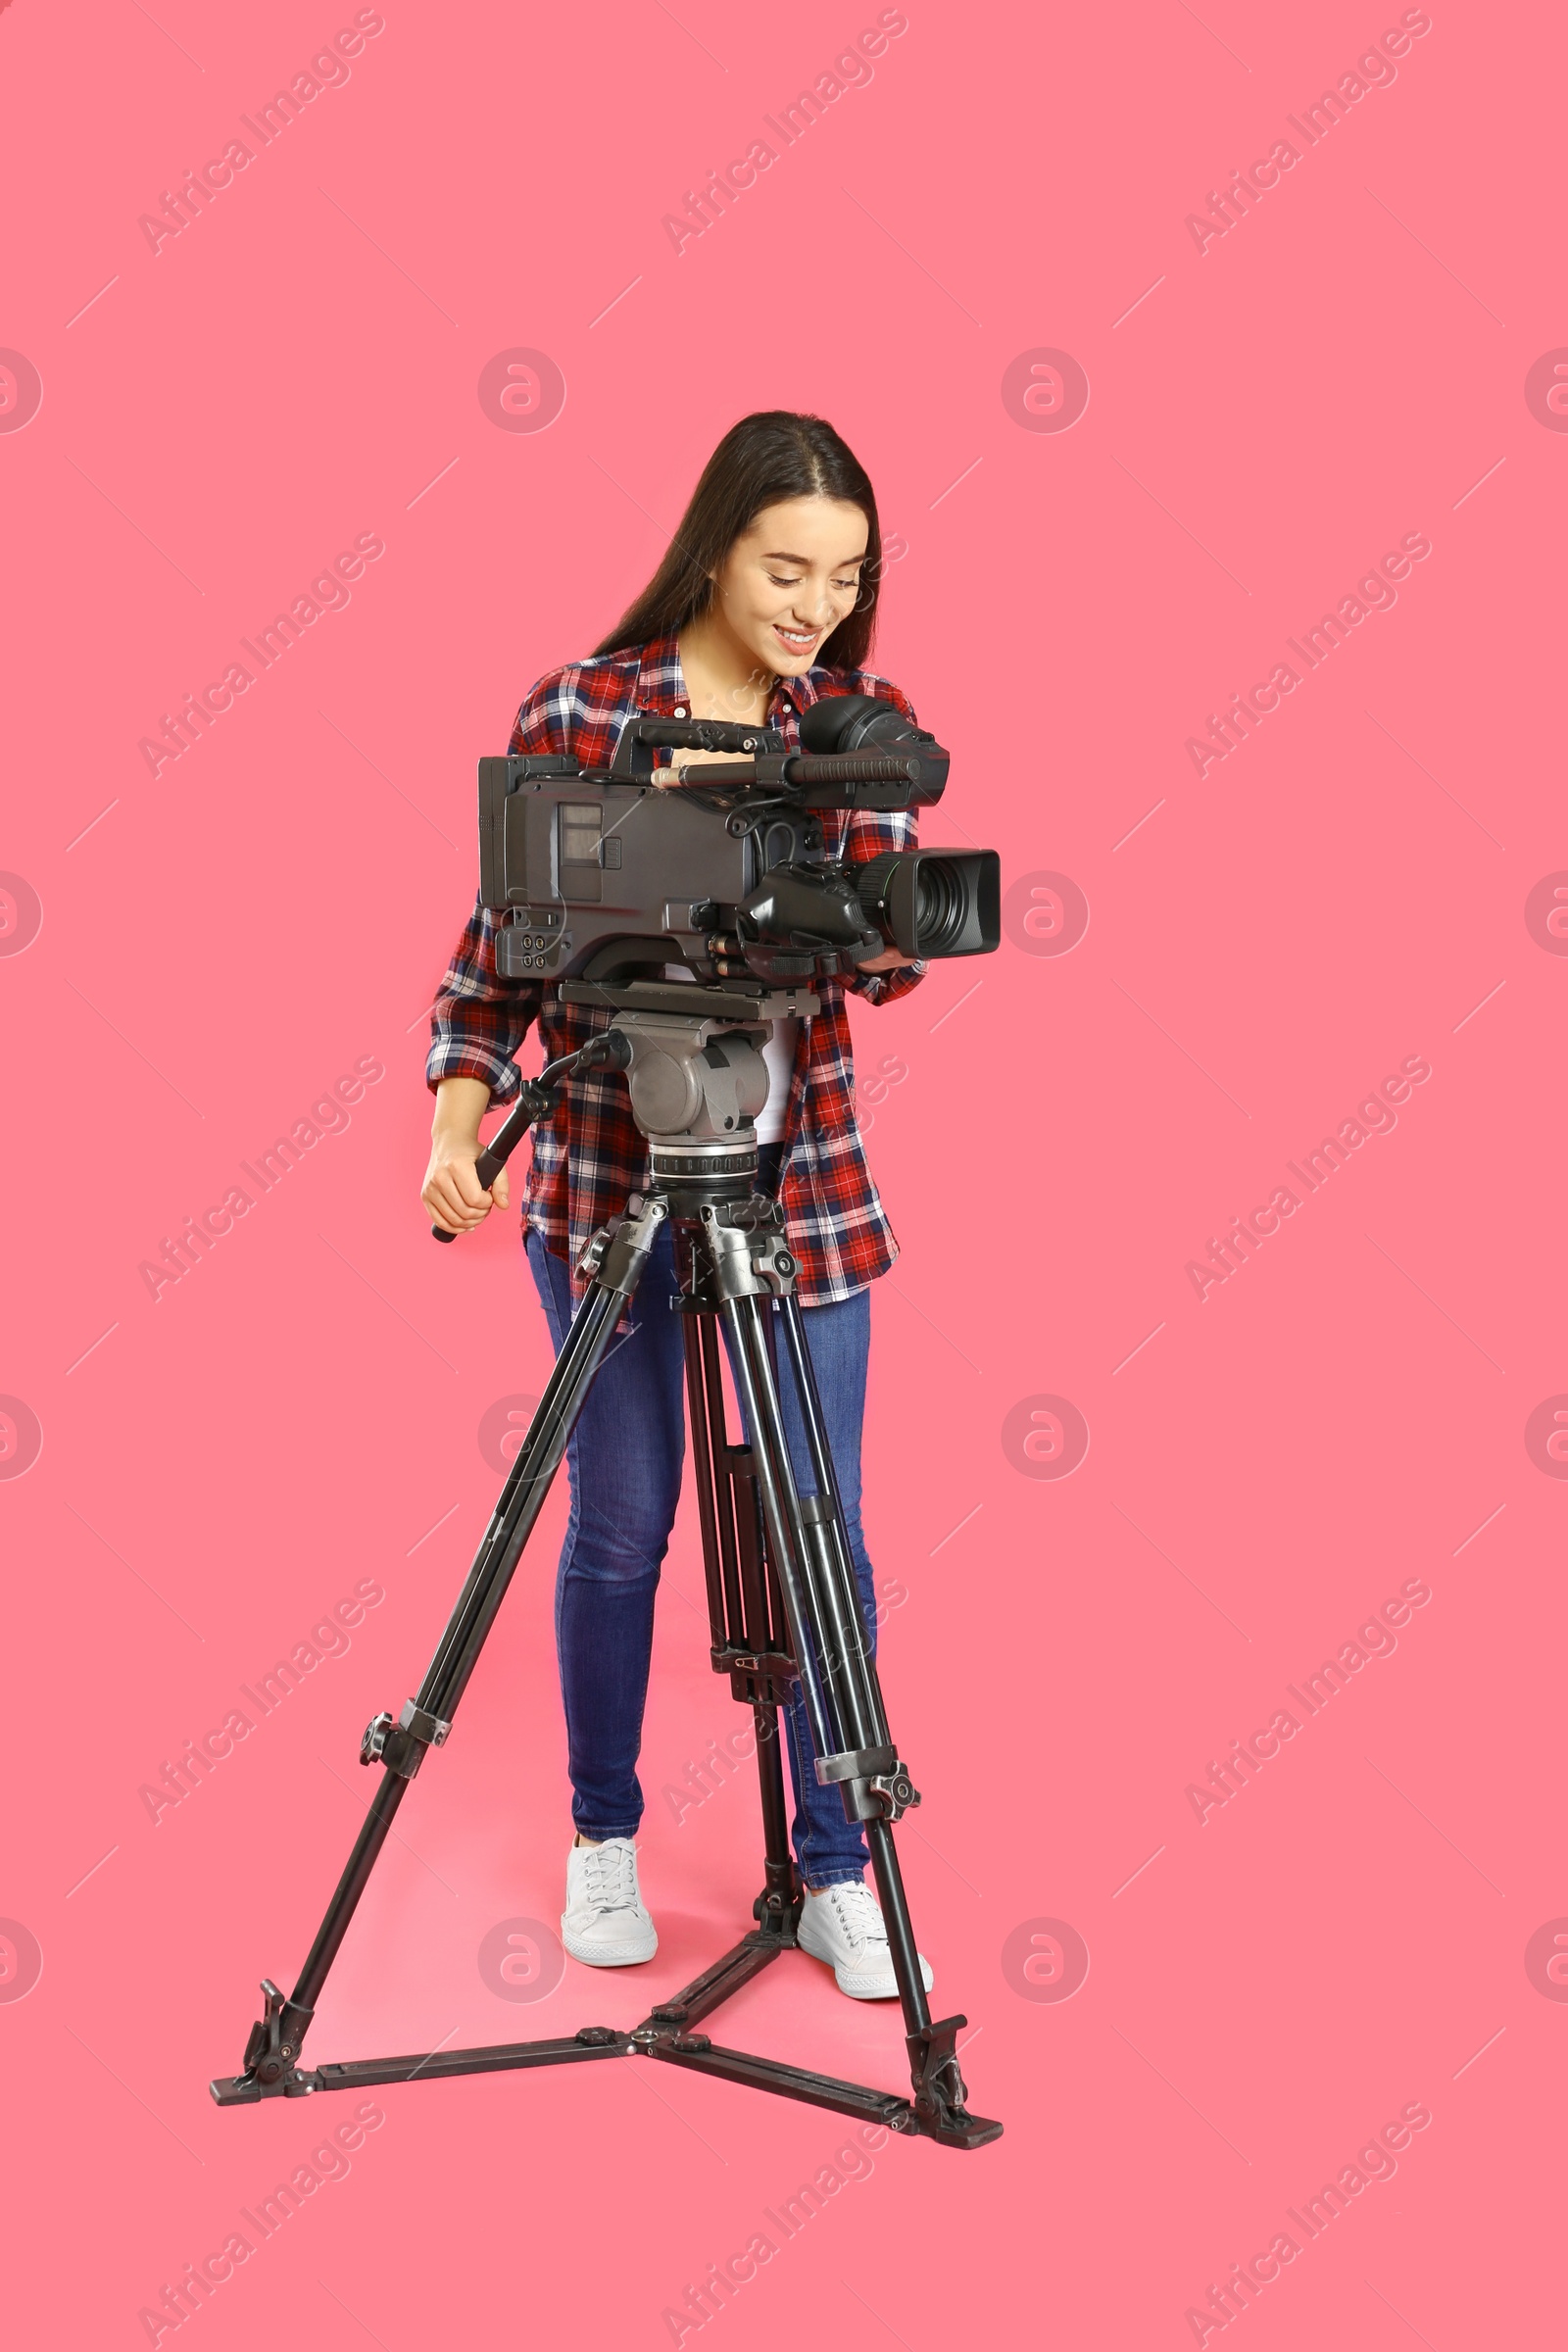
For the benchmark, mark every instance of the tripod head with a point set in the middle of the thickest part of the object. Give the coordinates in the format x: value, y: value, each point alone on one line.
x: 694, y: 1076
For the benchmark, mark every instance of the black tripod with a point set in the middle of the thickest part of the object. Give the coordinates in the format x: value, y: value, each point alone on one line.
x: 781, y: 1591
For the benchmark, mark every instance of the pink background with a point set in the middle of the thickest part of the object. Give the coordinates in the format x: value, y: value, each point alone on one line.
x: 1347, y: 887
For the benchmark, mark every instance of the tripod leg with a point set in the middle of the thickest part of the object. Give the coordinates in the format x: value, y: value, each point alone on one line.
x: 853, y: 1740
x: 618, y: 1256
x: 848, y: 1615
x: 939, y: 2087
x: 713, y: 1472
x: 748, y: 1638
x: 814, y: 1560
x: 781, y: 1508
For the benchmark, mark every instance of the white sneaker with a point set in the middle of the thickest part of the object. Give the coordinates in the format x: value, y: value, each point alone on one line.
x: 843, y: 1924
x: 604, y: 1922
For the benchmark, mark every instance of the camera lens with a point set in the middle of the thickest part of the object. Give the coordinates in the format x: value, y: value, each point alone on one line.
x: 932, y: 902
x: 942, y: 905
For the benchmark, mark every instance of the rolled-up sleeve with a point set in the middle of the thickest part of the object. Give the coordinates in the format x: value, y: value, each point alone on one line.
x: 880, y: 988
x: 869, y: 836
x: 478, y: 1021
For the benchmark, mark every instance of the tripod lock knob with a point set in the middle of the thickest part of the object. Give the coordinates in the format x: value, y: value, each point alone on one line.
x: 372, y: 1743
x: 896, y: 1790
x: 401, y: 1746
x: 882, y: 1787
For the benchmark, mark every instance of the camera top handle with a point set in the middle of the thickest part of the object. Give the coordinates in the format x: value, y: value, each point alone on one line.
x: 641, y: 737
x: 860, y: 753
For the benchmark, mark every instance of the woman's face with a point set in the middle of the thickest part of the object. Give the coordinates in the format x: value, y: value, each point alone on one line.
x: 791, y: 579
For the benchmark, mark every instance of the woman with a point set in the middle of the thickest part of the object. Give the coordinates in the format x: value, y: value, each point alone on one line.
x: 764, y: 602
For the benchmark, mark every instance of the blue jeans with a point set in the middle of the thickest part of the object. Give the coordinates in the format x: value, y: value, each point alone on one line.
x: 624, y: 1462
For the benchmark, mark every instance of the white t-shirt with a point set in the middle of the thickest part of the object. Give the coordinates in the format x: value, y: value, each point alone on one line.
x: 778, y: 1054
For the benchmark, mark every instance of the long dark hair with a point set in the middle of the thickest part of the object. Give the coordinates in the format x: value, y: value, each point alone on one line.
x: 771, y: 456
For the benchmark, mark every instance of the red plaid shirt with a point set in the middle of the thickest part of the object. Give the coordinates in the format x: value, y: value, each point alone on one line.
x: 589, y: 1154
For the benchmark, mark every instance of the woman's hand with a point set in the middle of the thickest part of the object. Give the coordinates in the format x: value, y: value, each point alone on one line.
x: 892, y: 960
x: 452, y: 1191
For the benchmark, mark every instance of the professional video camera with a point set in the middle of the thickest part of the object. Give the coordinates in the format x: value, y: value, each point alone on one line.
x: 602, y: 875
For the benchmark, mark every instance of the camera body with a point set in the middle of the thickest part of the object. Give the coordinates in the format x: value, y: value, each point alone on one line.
x: 601, y: 874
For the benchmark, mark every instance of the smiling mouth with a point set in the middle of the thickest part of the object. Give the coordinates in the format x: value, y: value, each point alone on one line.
x: 797, y: 639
